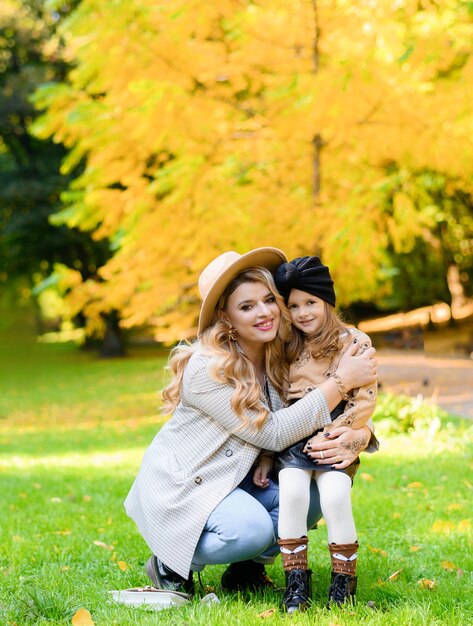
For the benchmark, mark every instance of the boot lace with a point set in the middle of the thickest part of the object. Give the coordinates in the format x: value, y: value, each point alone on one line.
x: 340, y: 588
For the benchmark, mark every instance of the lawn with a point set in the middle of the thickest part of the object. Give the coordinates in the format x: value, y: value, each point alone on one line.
x: 73, y: 430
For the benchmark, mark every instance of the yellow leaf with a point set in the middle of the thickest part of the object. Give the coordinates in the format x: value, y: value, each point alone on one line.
x: 415, y: 485
x: 426, y: 583
x: 395, y: 575
x: 396, y: 515
x: 464, y: 525
x: 101, y: 544
x: 448, y: 565
x: 122, y: 565
x: 366, y: 476
x: 414, y: 548
x: 87, y: 498
x: 61, y: 532
x: 267, y: 613
x: 442, y: 526
x: 82, y: 618
x: 378, y: 551
x: 454, y: 506
x: 65, y: 568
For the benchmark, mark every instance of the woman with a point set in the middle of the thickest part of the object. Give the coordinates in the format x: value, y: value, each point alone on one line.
x: 193, y: 499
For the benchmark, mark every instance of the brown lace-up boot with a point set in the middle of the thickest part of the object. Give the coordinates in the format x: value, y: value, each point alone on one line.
x: 343, y: 582
x: 298, y: 575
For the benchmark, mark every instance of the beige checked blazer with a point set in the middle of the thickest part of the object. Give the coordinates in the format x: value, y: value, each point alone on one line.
x: 201, y: 454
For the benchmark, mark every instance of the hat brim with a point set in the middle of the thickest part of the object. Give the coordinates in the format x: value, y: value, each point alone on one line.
x: 269, y: 258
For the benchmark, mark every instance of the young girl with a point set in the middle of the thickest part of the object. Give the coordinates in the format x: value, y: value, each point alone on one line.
x: 319, y: 340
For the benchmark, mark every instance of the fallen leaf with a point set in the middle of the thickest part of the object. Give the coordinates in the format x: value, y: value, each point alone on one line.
x: 366, y: 476
x: 61, y: 532
x: 109, y: 521
x: 414, y: 485
x: 122, y: 565
x: 448, y: 565
x: 23, y: 495
x: 82, y: 618
x: 396, y: 515
x: 87, y: 498
x: 468, y: 484
x: 464, y: 525
x: 459, y: 573
x: 55, y: 499
x: 37, y: 485
x: 65, y: 568
x: 267, y: 613
x: 414, y: 548
x: 442, y: 526
x: 395, y: 575
x: 101, y: 544
x: 17, y: 538
x: 377, y: 551
x: 426, y: 583
x: 454, y: 506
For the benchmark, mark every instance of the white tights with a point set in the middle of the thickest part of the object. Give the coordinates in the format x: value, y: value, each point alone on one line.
x: 335, y: 502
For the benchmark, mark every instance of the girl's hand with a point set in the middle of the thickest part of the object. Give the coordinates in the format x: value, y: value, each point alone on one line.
x: 260, y: 476
x: 341, y: 446
x: 357, y: 370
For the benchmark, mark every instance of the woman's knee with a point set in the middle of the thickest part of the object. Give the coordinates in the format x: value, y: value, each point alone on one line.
x: 258, y: 533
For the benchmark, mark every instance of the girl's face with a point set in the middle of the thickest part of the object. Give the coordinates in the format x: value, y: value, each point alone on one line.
x: 254, y: 313
x: 307, y: 311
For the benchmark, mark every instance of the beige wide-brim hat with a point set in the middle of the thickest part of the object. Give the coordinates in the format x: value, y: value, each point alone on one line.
x: 221, y: 271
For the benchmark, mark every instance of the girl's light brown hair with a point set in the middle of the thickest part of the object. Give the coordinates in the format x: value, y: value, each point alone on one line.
x: 324, y: 343
x: 228, y: 364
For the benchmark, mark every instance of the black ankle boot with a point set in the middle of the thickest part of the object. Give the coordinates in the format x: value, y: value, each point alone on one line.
x: 164, y: 578
x: 245, y: 575
x: 342, y: 589
x: 298, y: 590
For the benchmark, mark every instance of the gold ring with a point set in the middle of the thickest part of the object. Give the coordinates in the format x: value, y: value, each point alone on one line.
x: 321, y: 454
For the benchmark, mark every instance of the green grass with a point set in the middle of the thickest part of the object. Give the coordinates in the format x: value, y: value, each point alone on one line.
x: 73, y: 430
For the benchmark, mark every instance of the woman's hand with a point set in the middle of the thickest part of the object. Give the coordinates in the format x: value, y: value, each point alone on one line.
x: 340, y: 447
x: 357, y: 370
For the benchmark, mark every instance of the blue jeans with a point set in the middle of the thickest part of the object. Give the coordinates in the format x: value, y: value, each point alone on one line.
x: 245, y: 525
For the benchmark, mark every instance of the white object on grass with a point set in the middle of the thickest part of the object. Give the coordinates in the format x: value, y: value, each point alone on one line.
x: 151, y: 597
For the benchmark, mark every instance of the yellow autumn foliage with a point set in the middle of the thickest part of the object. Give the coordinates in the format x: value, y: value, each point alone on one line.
x: 196, y: 124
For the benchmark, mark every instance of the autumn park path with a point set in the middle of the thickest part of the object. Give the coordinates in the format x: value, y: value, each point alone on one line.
x: 448, y: 381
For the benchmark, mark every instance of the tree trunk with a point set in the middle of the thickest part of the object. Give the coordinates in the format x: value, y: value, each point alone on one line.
x: 112, y: 343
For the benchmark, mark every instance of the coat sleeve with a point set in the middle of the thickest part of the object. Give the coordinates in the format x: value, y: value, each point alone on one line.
x: 281, y: 429
x: 362, y: 401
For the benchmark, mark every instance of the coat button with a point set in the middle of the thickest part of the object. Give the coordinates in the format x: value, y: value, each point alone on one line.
x: 198, y: 480
x: 228, y: 453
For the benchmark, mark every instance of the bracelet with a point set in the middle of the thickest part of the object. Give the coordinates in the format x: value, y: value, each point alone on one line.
x: 341, y: 387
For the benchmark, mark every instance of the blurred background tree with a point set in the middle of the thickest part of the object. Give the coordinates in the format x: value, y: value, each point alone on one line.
x: 336, y: 128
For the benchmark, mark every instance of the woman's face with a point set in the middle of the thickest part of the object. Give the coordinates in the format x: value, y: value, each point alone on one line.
x: 307, y: 311
x: 254, y: 313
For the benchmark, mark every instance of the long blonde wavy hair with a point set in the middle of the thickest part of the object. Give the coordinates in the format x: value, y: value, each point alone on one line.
x: 228, y: 364
x: 324, y: 343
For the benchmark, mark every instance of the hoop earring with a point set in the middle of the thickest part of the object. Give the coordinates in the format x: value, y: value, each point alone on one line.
x: 231, y: 334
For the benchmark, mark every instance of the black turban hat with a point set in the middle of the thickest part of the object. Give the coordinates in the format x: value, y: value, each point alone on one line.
x: 308, y: 274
